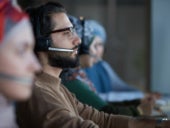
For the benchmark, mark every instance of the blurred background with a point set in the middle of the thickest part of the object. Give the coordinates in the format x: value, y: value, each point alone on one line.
x: 138, y: 37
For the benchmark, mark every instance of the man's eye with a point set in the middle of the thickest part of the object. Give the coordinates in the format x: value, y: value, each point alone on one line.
x: 67, y: 32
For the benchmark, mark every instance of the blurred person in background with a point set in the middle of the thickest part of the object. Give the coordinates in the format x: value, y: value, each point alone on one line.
x: 101, y: 74
x: 105, y: 79
x: 77, y: 82
x: 17, y: 61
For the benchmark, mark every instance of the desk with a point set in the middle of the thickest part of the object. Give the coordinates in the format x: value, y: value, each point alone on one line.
x: 164, y: 104
x: 121, y: 96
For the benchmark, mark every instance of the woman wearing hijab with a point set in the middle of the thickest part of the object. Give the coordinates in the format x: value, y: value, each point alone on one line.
x: 17, y: 61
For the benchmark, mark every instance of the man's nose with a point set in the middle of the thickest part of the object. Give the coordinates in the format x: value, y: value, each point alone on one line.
x: 77, y: 40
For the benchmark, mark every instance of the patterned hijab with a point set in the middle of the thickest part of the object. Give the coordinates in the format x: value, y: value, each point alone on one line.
x: 98, y: 29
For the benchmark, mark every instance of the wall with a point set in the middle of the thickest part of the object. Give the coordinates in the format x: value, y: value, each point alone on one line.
x: 160, y: 26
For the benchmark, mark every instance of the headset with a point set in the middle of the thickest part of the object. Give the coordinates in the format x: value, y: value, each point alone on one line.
x: 83, y: 49
x: 86, y: 36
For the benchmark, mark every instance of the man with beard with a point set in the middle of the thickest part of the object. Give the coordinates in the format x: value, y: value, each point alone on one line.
x: 52, y: 105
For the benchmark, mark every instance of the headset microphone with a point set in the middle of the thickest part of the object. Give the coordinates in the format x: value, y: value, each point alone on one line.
x: 9, y: 77
x: 60, y: 49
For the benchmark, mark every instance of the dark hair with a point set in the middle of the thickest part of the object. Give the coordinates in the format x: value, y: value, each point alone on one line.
x: 40, y: 17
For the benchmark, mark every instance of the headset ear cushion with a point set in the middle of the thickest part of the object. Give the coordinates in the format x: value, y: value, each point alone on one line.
x: 42, y: 44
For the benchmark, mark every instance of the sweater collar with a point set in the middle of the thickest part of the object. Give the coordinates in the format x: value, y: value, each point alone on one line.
x: 47, y: 80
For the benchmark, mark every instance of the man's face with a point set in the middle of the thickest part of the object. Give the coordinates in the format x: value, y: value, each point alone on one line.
x: 67, y: 39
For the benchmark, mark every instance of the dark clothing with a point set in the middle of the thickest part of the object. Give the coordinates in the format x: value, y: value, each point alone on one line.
x: 76, y: 81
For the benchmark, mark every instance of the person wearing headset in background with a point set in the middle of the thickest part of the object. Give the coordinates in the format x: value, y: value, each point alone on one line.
x: 101, y: 74
x: 77, y: 82
x: 51, y: 104
x: 17, y: 61
x: 105, y: 79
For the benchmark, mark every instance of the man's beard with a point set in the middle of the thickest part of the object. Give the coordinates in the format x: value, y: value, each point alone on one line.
x: 62, y: 59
